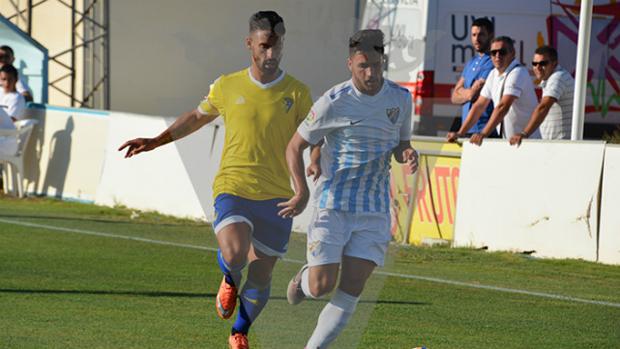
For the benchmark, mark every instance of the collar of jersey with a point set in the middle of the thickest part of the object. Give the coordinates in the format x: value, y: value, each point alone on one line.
x: 267, y: 85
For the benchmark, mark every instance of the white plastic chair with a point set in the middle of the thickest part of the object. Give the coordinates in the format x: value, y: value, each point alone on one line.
x: 16, y: 161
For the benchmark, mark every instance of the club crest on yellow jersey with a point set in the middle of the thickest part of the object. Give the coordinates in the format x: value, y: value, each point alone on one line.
x: 288, y: 103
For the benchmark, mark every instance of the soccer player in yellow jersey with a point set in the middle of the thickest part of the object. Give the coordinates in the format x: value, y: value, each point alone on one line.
x: 261, y: 107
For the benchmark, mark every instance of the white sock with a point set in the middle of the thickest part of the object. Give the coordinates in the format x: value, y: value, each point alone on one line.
x: 332, y: 320
x: 305, y: 283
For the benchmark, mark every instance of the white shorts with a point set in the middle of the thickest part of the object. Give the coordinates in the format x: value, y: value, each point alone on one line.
x: 332, y: 234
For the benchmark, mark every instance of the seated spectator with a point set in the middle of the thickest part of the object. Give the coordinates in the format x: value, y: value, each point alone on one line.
x: 8, y: 145
x: 7, y: 56
x: 11, y: 102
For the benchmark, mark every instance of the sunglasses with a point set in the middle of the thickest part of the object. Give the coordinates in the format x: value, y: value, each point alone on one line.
x: 501, y: 51
x: 541, y: 63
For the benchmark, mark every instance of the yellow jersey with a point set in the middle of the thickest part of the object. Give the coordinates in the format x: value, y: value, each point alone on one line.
x: 259, y: 120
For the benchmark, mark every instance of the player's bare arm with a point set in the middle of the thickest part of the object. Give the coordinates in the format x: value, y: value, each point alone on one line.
x: 295, y: 161
x: 538, y: 116
x: 314, y: 168
x: 498, y: 115
x: 474, y: 114
x: 184, y: 125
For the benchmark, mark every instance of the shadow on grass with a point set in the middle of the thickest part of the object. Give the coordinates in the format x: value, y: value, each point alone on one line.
x: 175, y: 294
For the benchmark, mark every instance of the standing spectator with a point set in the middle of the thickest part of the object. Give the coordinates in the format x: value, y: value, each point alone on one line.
x: 510, y: 88
x: 7, y: 56
x: 472, y: 79
x: 554, y: 113
x: 12, y: 102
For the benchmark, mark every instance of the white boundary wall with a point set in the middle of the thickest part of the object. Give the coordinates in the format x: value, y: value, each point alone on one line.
x: 542, y: 196
x: 150, y: 181
x: 175, y: 179
x: 609, y: 242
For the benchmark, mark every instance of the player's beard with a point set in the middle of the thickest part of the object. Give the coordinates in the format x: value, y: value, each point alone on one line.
x: 270, y: 66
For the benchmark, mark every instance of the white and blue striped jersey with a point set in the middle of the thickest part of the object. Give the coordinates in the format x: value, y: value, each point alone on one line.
x: 359, y: 133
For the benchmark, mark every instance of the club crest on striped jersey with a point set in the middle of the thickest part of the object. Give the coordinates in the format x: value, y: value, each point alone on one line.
x: 392, y: 114
x: 288, y: 103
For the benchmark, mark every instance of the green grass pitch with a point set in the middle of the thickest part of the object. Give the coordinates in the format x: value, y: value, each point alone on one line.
x: 82, y: 276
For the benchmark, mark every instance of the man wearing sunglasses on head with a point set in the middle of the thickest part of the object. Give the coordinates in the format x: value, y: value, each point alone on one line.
x: 510, y: 88
x: 554, y: 113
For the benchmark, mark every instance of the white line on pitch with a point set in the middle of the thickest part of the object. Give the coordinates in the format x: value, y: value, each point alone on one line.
x: 398, y: 275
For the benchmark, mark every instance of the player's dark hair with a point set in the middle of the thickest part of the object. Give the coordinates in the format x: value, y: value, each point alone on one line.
x: 10, y: 71
x: 485, y: 23
x: 507, y: 41
x: 267, y: 20
x: 7, y: 49
x: 367, y: 40
x: 549, y: 51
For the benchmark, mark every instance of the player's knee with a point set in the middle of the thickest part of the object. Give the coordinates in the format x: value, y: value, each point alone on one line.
x: 321, y: 287
x: 234, y: 255
x: 352, y: 284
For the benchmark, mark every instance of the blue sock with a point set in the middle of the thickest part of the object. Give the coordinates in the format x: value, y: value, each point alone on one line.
x: 231, y: 273
x: 253, y: 299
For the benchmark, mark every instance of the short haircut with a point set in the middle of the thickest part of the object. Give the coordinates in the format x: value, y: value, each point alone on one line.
x: 267, y: 20
x: 367, y: 40
x: 10, y: 71
x: 549, y: 51
x: 485, y: 23
x: 7, y: 49
x: 507, y: 41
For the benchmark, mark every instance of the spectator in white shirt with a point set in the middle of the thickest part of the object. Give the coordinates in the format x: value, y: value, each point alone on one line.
x: 8, y: 145
x: 7, y: 56
x: 11, y: 102
x: 510, y: 88
x: 554, y: 113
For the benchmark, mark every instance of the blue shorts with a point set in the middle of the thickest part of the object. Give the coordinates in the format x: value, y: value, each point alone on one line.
x: 270, y: 232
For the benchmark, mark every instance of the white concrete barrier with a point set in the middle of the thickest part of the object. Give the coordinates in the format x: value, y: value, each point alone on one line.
x: 542, y: 196
x: 64, y: 157
x: 154, y: 180
x: 609, y: 238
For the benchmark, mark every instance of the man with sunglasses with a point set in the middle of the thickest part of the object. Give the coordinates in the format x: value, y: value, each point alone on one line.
x: 510, y: 88
x: 467, y: 89
x: 554, y: 113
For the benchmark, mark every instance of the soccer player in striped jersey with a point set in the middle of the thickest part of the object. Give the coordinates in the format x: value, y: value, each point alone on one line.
x: 361, y: 123
x: 261, y: 108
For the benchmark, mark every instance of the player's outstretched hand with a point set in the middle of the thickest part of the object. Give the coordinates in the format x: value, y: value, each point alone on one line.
x: 137, y: 146
x: 411, y: 159
x: 314, y: 171
x: 294, y: 206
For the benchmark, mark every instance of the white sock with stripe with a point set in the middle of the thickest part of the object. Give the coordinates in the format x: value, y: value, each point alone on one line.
x: 333, y: 319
